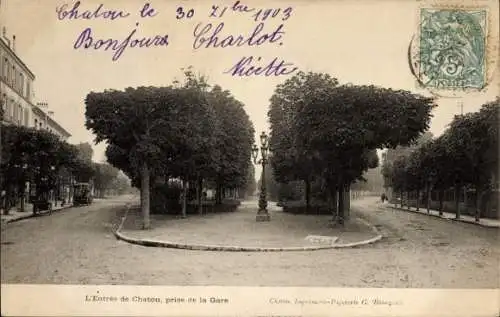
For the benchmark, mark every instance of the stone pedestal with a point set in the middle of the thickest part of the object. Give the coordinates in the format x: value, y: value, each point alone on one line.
x: 263, y: 216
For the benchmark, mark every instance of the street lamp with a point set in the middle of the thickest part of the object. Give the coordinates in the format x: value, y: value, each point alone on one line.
x: 262, y: 214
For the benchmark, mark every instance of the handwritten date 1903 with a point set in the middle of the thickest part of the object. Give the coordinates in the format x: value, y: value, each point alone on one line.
x: 264, y: 14
x: 258, y: 14
x: 246, y: 67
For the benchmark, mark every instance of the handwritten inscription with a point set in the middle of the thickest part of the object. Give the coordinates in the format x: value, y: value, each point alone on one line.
x: 257, y: 15
x: 247, y: 67
x: 206, y: 35
x: 74, y: 14
x: 86, y: 40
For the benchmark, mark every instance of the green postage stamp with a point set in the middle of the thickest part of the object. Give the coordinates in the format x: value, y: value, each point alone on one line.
x: 452, y: 48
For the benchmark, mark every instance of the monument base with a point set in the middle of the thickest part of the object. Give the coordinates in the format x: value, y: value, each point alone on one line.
x: 264, y: 216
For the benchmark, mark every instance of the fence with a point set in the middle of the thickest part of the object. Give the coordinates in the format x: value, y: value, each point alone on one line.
x: 466, y: 202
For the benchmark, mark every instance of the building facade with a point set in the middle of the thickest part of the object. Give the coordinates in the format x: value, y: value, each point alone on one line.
x: 16, y: 85
x: 43, y: 119
x: 17, y: 94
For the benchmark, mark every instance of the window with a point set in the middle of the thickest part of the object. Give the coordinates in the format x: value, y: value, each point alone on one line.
x: 7, y: 109
x: 11, y: 109
x: 14, y: 112
x: 4, y: 106
x: 36, y: 123
x: 6, y: 70
x: 28, y: 90
x: 13, y: 75
x: 21, y: 84
x: 26, y: 117
x: 20, y: 115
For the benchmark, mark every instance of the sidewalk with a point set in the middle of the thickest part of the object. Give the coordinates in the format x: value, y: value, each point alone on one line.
x: 239, y: 231
x: 484, y: 222
x: 15, y: 215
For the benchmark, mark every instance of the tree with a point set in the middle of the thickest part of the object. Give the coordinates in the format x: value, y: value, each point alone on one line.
x: 391, y: 154
x: 32, y: 155
x: 120, y: 184
x: 85, y: 152
x: 135, y: 121
x: 105, y: 175
x: 234, y: 138
x: 473, y: 142
x: 324, y: 129
x: 251, y: 184
x: 194, y: 140
x: 288, y: 162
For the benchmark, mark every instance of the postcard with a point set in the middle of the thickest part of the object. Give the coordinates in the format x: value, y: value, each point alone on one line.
x: 249, y: 158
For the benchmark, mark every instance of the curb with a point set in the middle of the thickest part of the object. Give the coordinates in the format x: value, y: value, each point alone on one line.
x: 445, y: 218
x: 200, y: 247
x: 32, y: 215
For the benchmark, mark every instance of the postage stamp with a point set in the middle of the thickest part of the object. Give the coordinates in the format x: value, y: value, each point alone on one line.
x: 455, y: 48
x: 452, y: 48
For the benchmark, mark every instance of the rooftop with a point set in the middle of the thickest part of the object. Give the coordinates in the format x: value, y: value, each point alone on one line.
x: 8, y: 47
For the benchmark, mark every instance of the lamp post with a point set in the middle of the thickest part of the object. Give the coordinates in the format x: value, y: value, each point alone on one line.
x: 262, y: 214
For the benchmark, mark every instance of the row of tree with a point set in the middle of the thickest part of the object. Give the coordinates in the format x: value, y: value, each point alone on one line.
x: 105, y: 177
x: 329, y: 133
x: 188, y: 131
x: 40, y: 160
x: 464, y: 156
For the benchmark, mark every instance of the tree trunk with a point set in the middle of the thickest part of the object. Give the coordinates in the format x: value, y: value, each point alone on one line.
x: 184, y: 198
x: 428, y: 198
x: 145, y: 196
x: 218, y: 194
x: 477, y: 213
x: 199, y: 193
x: 334, y: 200
x: 457, y: 200
x: 441, y: 202
x: 401, y: 196
x: 347, y: 207
x: 308, y: 193
x: 71, y: 190
x: 465, y: 198
x: 408, y: 199
x: 341, y: 198
x: 23, y: 197
x: 329, y: 185
x: 418, y: 199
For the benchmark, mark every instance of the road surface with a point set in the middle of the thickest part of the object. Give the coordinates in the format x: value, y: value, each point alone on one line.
x: 77, y: 247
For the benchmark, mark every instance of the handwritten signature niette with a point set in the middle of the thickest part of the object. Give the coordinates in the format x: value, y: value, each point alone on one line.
x: 206, y: 35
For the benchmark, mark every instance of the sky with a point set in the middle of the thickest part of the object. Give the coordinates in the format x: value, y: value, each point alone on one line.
x: 358, y: 42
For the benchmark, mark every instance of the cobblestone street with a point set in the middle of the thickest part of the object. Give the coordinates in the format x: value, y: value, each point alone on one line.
x: 77, y: 247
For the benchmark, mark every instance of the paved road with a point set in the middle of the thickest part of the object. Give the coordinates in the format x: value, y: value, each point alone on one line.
x: 76, y: 246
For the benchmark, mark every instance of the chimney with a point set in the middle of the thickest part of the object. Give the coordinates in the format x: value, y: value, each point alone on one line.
x: 51, y: 113
x: 42, y: 105
x: 14, y: 43
x: 4, y: 34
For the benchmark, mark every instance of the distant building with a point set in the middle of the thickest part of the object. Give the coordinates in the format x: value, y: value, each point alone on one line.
x: 43, y: 119
x: 16, y: 93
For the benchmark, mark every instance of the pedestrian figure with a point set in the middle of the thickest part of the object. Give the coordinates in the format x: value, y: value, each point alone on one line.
x: 383, y: 197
